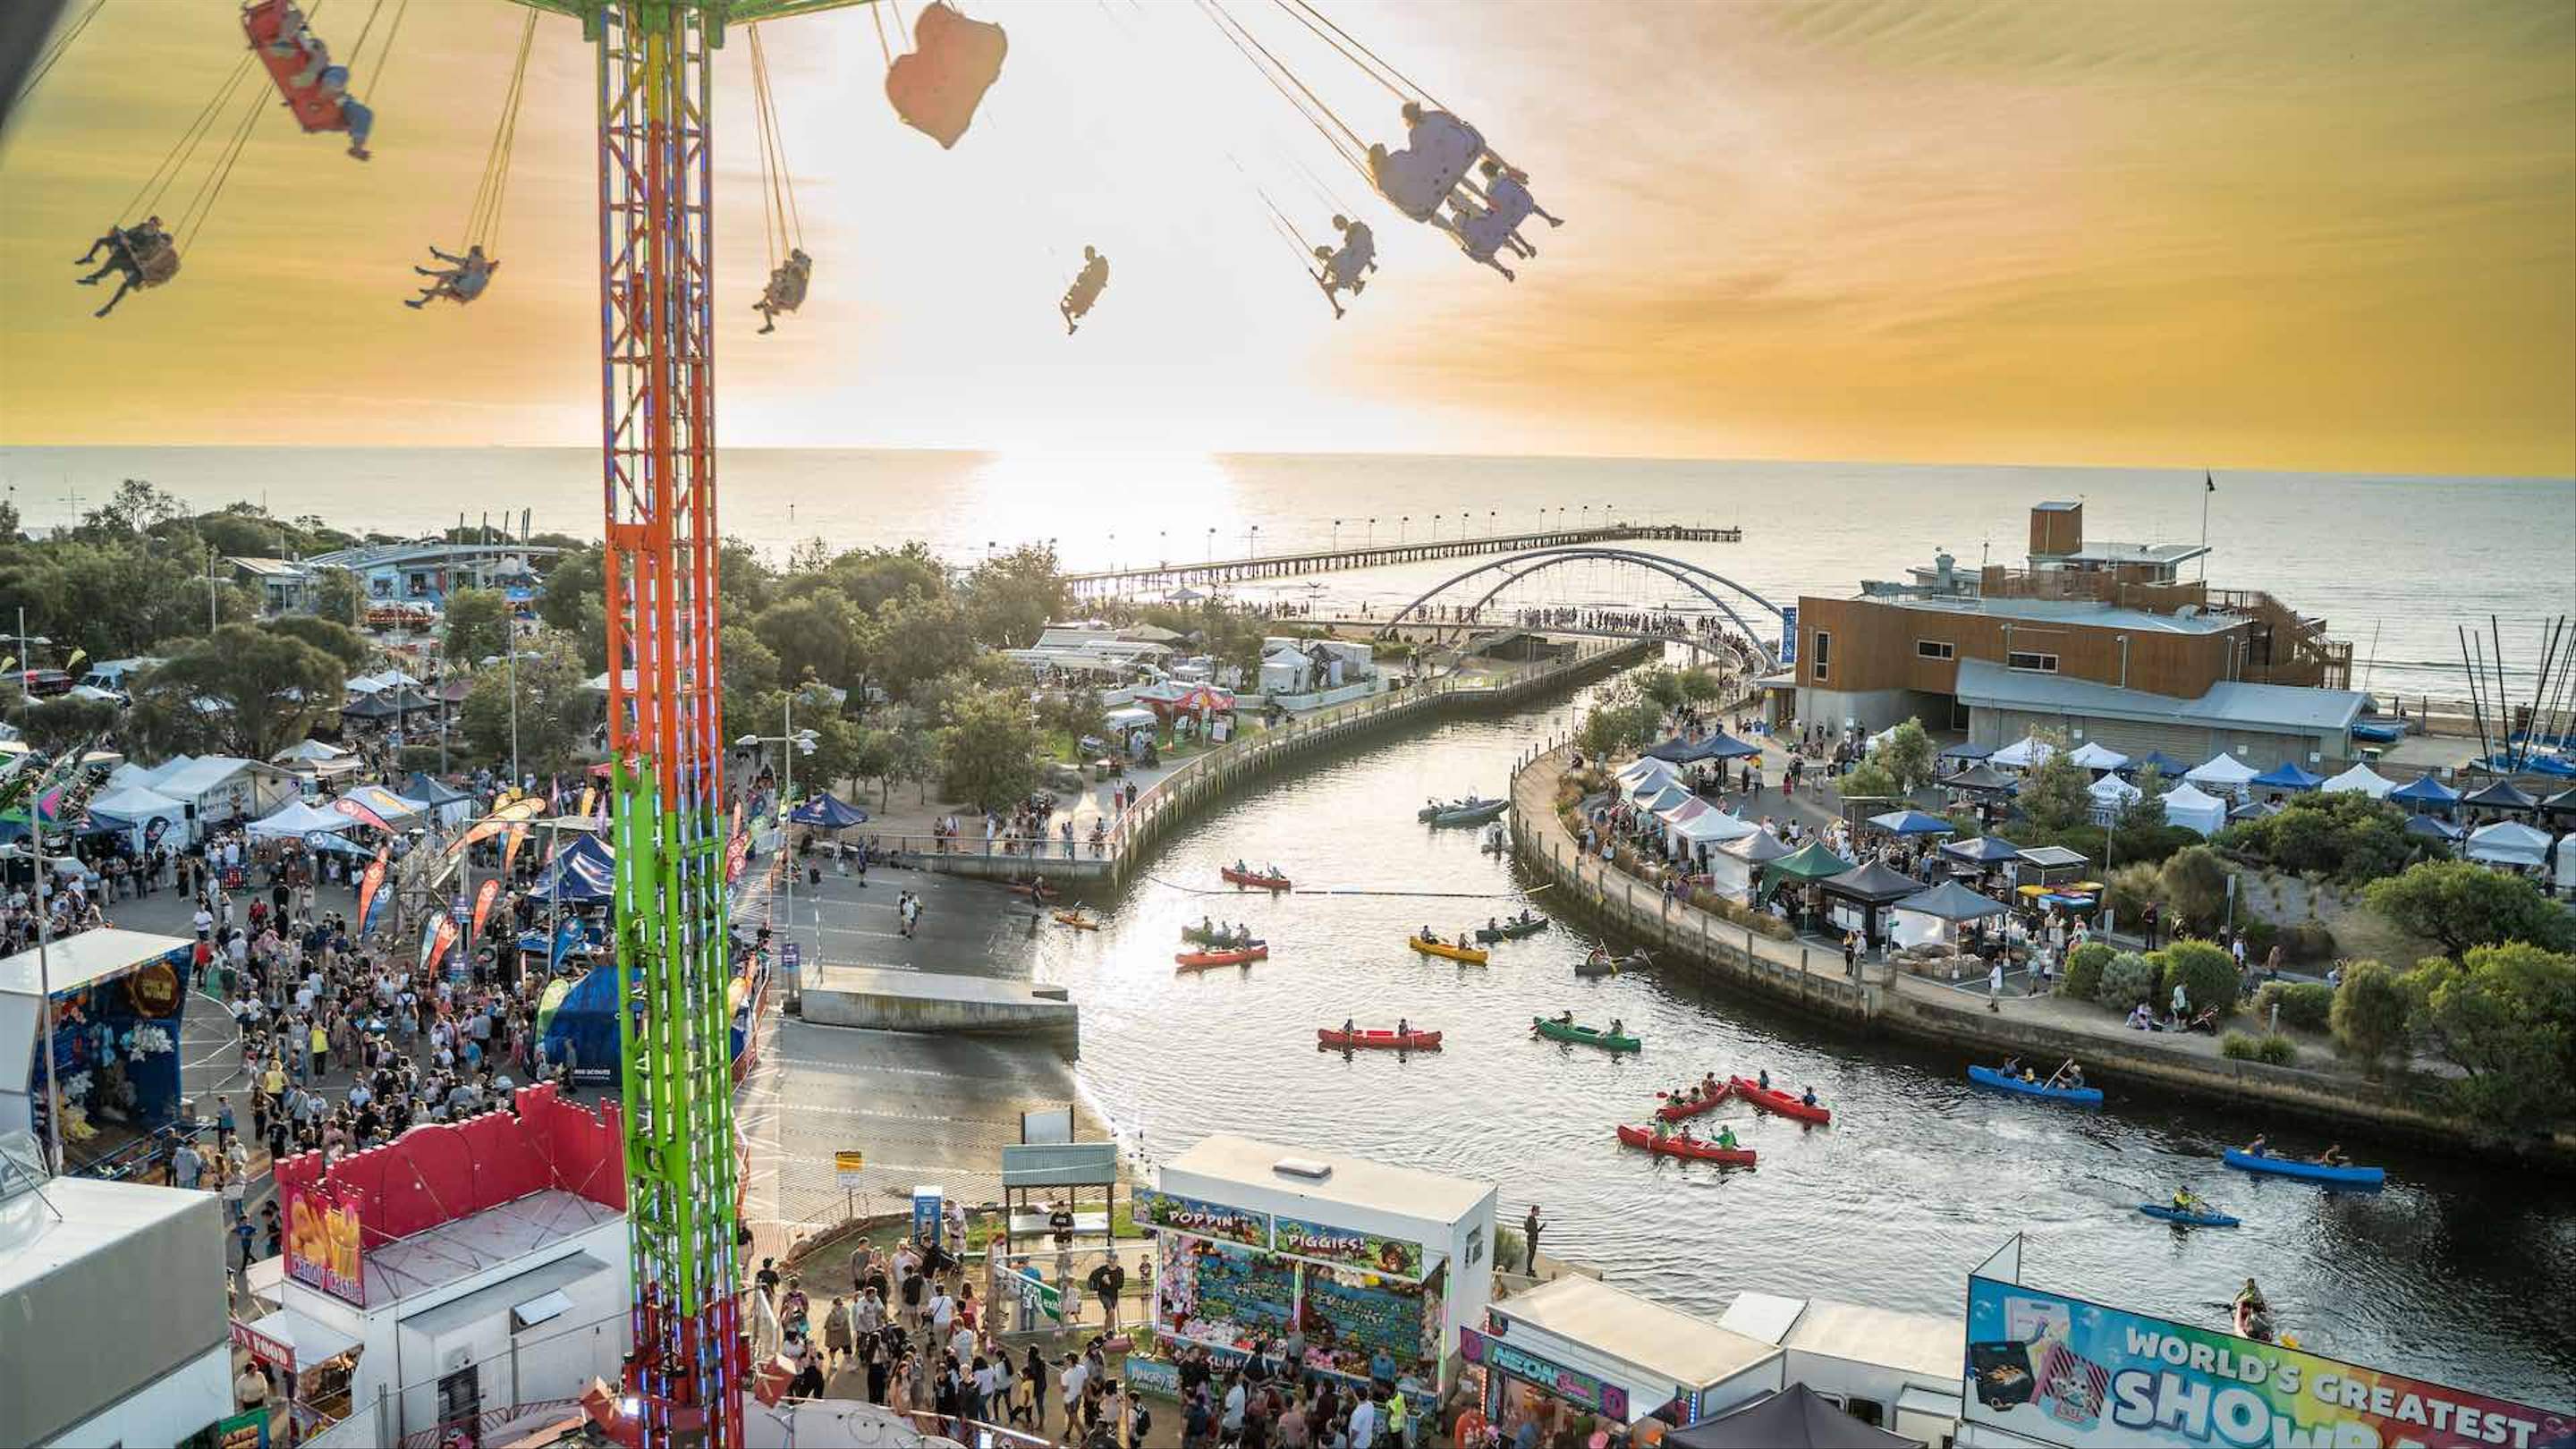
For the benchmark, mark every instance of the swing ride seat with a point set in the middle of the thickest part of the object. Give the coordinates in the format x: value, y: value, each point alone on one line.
x: 315, y: 109
x: 156, y: 260
x: 936, y: 88
x: 1418, y: 179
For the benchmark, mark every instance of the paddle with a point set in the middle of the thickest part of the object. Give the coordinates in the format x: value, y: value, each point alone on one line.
x: 2051, y: 1083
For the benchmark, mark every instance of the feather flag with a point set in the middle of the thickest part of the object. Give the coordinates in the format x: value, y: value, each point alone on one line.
x: 370, y: 887
x: 430, y: 945
x: 589, y: 793
x: 361, y: 814
x: 517, y: 837
x: 567, y: 936
x: 483, y: 900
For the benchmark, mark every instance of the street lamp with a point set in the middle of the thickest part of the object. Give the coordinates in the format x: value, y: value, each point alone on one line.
x: 1401, y: 522
x: 44, y: 910
x: 1337, y: 535
x: 803, y: 742
x: 1251, y: 537
x: 1435, y: 528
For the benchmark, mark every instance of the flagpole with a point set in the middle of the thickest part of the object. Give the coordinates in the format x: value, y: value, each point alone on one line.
x: 2208, y: 485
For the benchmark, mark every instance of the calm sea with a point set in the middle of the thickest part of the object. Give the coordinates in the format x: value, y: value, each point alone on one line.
x: 2397, y: 565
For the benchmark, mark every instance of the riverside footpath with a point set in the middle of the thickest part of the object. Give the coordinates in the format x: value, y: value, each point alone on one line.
x: 1807, y: 975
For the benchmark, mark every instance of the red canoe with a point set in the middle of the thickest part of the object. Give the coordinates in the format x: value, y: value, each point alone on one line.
x: 1698, y: 1148
x: 1787, y: 1104
x: 1411, y: 1041
x: 1677, y: 1108
x: 1210, y: 960
x: 1254, y: 878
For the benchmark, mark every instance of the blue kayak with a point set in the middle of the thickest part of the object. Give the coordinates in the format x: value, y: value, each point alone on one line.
x: 2072, y: 1096
x: 2173, y: 1214
x: 2307, y: 1171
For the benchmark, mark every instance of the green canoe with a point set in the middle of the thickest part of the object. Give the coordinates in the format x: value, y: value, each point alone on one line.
x: 1584, y: 1035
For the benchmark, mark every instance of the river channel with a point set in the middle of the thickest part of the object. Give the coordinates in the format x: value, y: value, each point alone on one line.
x: 2452, y: 1273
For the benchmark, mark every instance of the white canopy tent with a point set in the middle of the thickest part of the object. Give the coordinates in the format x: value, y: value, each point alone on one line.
x: 2361, y: 778
x: 2093, y: 756
x: 224, y: 788
x: 2111, y: 795
x: 2023, y: 753
x: 2193, y: 808
x: 298, y: 820
x: 2509, y: 842
x: 134, y: 808
x: 1704, y: 829
x: 1643, y: 768
x: 2222, y: 773
x: 1735, y: 864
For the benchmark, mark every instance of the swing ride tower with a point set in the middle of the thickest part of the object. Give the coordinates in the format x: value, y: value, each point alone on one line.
x: 666, y: 728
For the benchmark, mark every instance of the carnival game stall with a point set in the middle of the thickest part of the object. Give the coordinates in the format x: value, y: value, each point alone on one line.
x: 1577, y: 1347
x: 117, y: 999
x: 1379, y: 1267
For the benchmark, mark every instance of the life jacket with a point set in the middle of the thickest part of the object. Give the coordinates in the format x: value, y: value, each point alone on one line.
x: 936, y: 87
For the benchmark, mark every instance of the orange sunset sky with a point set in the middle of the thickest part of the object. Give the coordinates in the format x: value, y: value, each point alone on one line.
x: 2285, y: 234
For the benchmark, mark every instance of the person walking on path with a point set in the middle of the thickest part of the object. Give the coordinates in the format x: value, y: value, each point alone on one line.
x: 1106, y: 1282
x: 1995, y: 987
x: 1530, y: 1227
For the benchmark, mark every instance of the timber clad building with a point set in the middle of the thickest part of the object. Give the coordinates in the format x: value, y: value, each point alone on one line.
x: 2102, y: 641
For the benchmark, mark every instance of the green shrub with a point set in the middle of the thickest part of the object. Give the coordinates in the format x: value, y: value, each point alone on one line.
x: 2278, y: 1051
x: 2237, y: 1046
x: 2128, y: 889
x: 2259, y: 936
x: 2307, y: 1005
x: 2371, y: 1012
x: 2308, y: 941
x: 2084, y: 970
x: 2127, y: 979
x: 2195, y: 882
x: 2206, y: 974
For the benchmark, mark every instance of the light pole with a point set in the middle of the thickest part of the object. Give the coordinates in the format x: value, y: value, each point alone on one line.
x: 1251, y: 537
x: 1402, y: 521
x: 795, y: 741
x: 1435, y: 528
x: 1493, y: 521
x: 1369, y: 539
x: 1337, y: 535
x: 44, y: 915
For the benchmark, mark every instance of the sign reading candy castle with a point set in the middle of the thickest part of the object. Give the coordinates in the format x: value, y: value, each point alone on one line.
x: 2058, y: 1369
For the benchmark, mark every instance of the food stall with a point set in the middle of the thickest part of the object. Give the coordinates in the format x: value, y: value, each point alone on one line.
x: 117, y: 999
x: 1380, y: 1267
x: 1577, y: 1346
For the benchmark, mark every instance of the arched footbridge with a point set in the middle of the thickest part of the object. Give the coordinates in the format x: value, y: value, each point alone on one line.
x: 1707, y: 583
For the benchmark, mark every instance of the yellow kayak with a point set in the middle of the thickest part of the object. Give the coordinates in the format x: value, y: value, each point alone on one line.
x: 1468, y: 954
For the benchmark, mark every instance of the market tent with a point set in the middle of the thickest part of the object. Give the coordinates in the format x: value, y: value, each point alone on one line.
x: 2432, y: 829
x: 2092, y: 756
x: 2502, y: 795
x: 451, y: 805
x: 298, y: 820
x: 1679, y: 750
x: 224, y: 788
x: 1810, y: 862
x: 1985, y: 850
x: 385, y: 802
x: 2425, y: 791
x: 1912, y: 822
x: 585, y: 871
x: 1716, y: 745
x: 2509, y: 842
x: 2111, y: 795
x: 1759, y: 848
x: 1980, y: 780
x: 1638, y: 772
x: 828, y: 812
x: 1710, y: 827
x: 1793, y: 1418
x: 2562, y: 803
x: 2256, y: 810
x: 1733, y: 865
x: 1965, y: 751
x: 1874, y: 883
x: 1951, y: 901
x: 1673, y: 793
x: 132, y: 811
x: 308, y: 752
x: 2023, y: 753
x: 2193, y: 808
x: 2221, y: 771
x: 2158, y: 761
x: 2360, y: 778
x: 129, y: 776
x: 2287, y: 776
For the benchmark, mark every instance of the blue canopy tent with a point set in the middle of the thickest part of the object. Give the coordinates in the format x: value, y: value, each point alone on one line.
x: 1985, y: 850
x: 2157, y: 760
x: 2286, y: 776
x: 2425, y: 793
x: 827, y: 812
x: 585, y: 1023
x: 1717, y: 746
x: 1912, y: 822
x: 585, y: 872
x: 2432, y: 829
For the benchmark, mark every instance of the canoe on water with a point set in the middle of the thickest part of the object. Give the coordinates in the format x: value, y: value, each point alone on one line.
x: 1411, y: 1041
x: 1512, y: 930
x: 1254, y: 878
x: 1078, y: 921
x: 1633, y: 961
x: 1034, y: 891
x: 1675, y: 1109
x: 2172, y: 1214
x: 1583, y: 1035
x: 2307, y: 1171
x: 1468, y: 954
x: 1695, y: 1149
x: 2071, y: 1096
x: 1786, y: 1104
x: 1210, y: 960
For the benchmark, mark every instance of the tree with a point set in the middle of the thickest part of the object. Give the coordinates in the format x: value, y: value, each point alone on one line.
x: 2147, y: 812
x: 1700, y: 686
x: 916, y: 639
x: 1869, y: 780
x: 2206, y: 974
x: 988, y: 750
x: 2195, y: 885
x: 814, y: 636
x: 1011, y: 597
x: 576, y: 579
x: 2463, y: 905
x: 2056, y: 793
x: 338, y: 598
x: 2505, y: 1015
x: 257, y: 691
x: 2370, y: 1013
x: 1908, y: 757
x: 557, y: 709
x: 137, y: 507
x: 1664, y: 687
x: 337, y: 640
x: 62, y: 722
x: 877, y: 755
x: 750, y: 666
x: 1611, y: 728
x: 478, y: 625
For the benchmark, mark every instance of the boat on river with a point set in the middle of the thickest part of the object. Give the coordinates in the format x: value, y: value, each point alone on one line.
x: 2346, y: 1176
x: 1254, y: 878
x: 1694, y: 1148
x: 1331, y: 1039
x: 1035, y: 890
x: 2211, y: 1218
x: 1612, y: 965
x: 1579, y: 1035
x: 1468, y: 954
x: 1232, y: 956
x: 1676, y: 1109
x: 1078, y: 920
x: 1470, y: 811
x: 2071, y: 1096
x: 1786, y: 1104
x: 1512, y: 930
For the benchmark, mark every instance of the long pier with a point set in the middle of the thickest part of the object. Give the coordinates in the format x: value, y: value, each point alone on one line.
x: 1167, y: 574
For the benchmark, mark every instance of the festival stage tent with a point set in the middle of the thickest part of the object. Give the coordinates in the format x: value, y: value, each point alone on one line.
x: 2193, y: 808
x: 2221, y: 773
x: 2092, y: 756
x: 2023, y: 753
x: 2286, y: 776
x: 2425, y: 793
x: 298, y: 820
x: 2360, y: 778
x: 2509, y: 842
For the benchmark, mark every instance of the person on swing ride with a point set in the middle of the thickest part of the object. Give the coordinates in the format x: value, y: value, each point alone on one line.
x: 786, y: 289
x: 1507, y: 192
x: 1438, y: 151
x: 356, y: 117
x: 1480, y: 234
x: 462, y: 281
x: 136, y: 252
x: 1343, y: 268
x: 1086, y: 289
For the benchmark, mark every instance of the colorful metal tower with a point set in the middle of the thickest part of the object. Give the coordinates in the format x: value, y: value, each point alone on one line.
x: 657, y: 380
